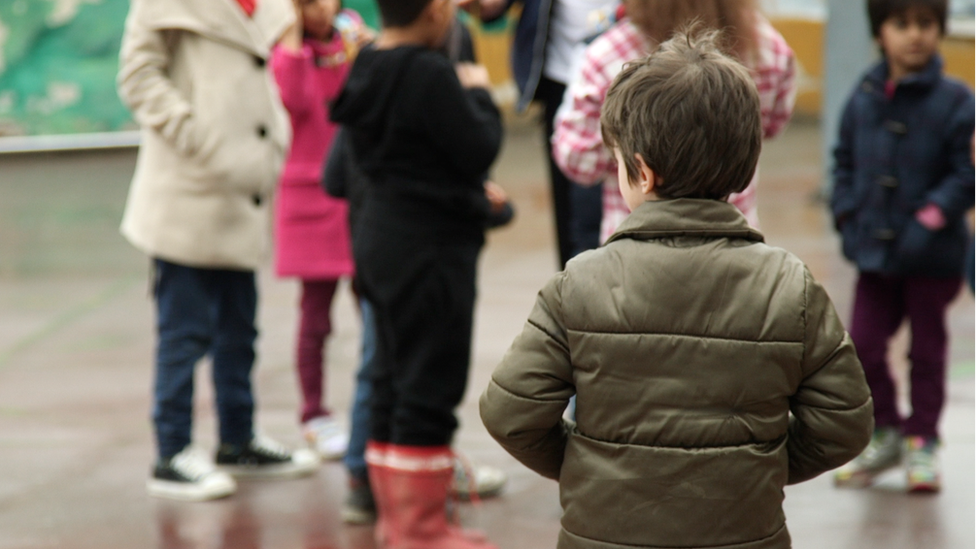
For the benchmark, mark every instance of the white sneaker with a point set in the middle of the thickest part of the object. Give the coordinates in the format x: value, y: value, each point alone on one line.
x: 264, y: 457
x: 189, y: 476
x: 480, y: 480
x: 326, y: 436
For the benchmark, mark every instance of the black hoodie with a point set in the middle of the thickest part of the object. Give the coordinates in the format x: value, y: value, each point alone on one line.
x: 422, y: 139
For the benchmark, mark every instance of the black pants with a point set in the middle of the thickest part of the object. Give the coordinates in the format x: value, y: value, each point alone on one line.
x: 578, y: 210
x: 423, y: 296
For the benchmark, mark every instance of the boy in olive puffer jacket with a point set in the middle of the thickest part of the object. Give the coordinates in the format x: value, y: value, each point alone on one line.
x: 687, y: 340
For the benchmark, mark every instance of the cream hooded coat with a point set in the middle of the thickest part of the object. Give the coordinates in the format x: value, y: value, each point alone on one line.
x: 214, y: 132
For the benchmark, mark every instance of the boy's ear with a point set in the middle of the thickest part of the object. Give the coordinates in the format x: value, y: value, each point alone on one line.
x: 647, y: 178
x: 435, y: 9
x: 429, y: 12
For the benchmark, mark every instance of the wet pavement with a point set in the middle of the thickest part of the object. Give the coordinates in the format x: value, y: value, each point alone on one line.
x: 76, y: 342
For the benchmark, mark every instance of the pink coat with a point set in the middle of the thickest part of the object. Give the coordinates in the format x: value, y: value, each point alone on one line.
x: 311, y: 228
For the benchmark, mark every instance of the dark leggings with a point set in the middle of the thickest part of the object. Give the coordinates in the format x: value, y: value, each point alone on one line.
x: 881, y: 304
x: 423, y: 298
x: 314, y: 327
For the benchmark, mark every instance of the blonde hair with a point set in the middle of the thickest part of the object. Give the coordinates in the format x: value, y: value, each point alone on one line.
x: 736, y: 19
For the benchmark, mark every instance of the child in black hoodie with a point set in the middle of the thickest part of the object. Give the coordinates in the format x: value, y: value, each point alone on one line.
x: 423, y: 132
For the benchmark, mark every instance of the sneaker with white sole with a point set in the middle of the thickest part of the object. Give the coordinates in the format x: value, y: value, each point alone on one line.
x: 359, y: 506
x: 883, y: 452
x: 263, y: 457
x: 480, y: 480
x: 921, y: 456
x: 326, y: 436
x: 189, y: 476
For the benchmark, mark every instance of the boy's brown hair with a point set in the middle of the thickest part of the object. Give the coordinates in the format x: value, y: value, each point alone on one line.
x: 692, y: 113
x: 880, y: 10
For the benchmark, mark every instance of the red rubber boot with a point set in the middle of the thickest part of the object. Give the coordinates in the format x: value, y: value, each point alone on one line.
x: 415, y: 482
x: 376, y: 453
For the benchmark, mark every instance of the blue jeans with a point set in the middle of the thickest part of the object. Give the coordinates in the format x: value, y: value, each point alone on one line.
x: 355, y: 458
x: 201, y: 311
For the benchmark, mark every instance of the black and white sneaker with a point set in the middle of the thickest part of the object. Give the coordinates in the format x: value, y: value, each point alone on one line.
x: 189, y: 476
x: 266, y: 458
x: 360, y: 505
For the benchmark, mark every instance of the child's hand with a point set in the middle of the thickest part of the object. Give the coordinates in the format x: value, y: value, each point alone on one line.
x: 496, y: 195
x: 931, y: 217
x: 472, y: 75
x: 364, y: 37
x: 500, y: 209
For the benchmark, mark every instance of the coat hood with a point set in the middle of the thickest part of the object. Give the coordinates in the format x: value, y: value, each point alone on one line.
x: 370, y: 89
x: 219, y: 20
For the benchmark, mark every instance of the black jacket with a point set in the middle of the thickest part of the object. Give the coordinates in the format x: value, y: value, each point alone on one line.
x: 421, y: 141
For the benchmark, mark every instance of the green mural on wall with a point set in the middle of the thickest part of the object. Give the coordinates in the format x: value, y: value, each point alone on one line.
x: 367, y: 10
x: 58, y: 60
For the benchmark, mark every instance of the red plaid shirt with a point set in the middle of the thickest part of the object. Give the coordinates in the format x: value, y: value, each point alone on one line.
x: 578, y: 147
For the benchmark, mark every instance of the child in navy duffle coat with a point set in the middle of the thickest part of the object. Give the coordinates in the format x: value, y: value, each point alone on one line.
x: 903, y: 181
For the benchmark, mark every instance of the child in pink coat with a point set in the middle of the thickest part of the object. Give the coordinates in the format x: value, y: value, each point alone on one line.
x: 311, y: 228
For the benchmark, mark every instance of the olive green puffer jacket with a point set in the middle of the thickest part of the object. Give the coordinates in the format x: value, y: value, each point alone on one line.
x: 689, y: 343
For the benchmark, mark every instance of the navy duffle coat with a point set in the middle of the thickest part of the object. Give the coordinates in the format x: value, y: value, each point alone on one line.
x: 896, y: 154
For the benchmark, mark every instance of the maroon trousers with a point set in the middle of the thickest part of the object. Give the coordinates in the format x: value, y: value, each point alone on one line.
x: 314, y: 327
x: 880, y: 305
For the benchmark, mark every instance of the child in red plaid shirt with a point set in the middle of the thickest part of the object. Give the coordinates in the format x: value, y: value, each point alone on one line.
x: 576, y: 143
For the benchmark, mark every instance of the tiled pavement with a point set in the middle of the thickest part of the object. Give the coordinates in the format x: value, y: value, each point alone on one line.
x: 76, y: 341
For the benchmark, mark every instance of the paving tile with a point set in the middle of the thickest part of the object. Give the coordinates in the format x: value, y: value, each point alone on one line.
x: 76, y: 343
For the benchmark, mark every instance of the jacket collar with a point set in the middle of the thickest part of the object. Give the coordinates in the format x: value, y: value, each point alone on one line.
x: 928, y: 77
x: 221, y: 20
x: 685, y: 217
